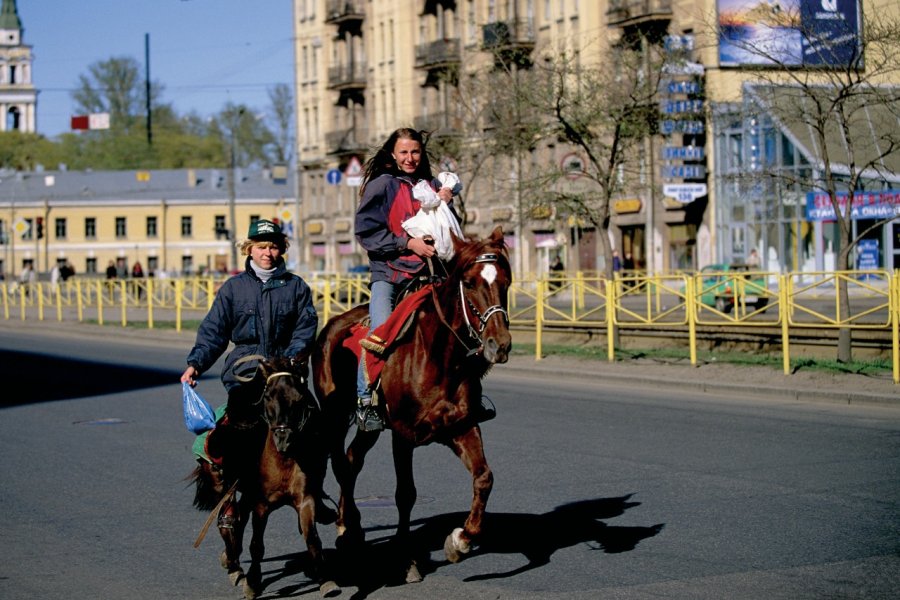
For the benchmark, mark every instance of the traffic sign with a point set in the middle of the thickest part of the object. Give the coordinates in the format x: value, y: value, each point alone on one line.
x: 333, y: 176
x: 354, y: 167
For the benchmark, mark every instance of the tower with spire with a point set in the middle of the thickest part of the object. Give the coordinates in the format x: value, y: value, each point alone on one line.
x: 18, y: 97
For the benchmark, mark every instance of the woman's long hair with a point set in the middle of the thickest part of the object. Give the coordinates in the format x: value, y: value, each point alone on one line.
x: 383, y: 160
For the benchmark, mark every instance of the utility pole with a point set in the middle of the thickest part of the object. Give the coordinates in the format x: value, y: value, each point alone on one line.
x: 147, y: 88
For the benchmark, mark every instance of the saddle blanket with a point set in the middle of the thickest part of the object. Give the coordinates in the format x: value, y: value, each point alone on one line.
x: 373, y: 348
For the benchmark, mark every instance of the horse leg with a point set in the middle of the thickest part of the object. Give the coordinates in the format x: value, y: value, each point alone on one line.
x: 468, y: 447
x: 306, y: 523
x: 253, y: 581
x: 405, y: 498
x: 346, y: 469
x: 232, y: 532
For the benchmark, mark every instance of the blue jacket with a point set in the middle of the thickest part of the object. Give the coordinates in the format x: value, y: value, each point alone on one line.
x: 388, y: 201
x: 275, y: 318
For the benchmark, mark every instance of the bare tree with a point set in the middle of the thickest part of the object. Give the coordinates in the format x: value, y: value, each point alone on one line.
x: 836, y: 93
x: 282, y: 115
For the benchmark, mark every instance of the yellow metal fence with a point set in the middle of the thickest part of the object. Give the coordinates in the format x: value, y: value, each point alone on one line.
x: 789, y: 301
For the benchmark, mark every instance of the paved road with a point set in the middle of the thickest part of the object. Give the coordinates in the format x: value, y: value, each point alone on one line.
x: 603, y: 490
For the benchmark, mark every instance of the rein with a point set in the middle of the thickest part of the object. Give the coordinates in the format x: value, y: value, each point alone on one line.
x: 464, y: 301
x: 277, y: 374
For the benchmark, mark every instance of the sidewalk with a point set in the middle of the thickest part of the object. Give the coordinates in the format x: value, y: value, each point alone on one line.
x: 714, y: 378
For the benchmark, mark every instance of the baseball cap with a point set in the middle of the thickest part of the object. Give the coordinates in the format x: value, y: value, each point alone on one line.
x: 265, y: 230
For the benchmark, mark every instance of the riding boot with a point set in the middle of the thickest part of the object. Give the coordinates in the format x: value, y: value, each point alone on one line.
x: 486, y: 410
x: 368, y: 417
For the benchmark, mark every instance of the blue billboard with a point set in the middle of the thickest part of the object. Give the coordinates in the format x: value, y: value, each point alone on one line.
x: 793, y: 33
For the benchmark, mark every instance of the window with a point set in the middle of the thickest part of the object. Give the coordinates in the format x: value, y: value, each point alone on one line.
x: 187, y: 226
x: 90, y: 265
x: 221, y: 229
x: 152, y: 227
x: 152, y: 265
x: 121, y: 227
x: 90, y: 228
x: 187, y: 265
x: 60, y: 230
x: 29, y: 233
x: 4, y: 236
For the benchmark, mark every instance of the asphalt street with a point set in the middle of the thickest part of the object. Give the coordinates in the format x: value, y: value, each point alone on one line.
x: 604, y: 488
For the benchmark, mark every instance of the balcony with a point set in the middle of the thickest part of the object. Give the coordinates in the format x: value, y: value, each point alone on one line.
x: 438, y: 54
x: 347, y: 77
x: 440, y: 124
x: 350, y: 140
x: 626, y: 13
x: 511, y: 42
x: 504, y: 35
x: 339, y: 12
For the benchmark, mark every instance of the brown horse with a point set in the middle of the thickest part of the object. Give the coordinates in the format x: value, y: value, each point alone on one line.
x: 290, y: 471
x: 430, y: 387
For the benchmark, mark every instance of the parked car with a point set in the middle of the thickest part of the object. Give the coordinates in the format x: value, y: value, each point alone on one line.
x: 721, y: 284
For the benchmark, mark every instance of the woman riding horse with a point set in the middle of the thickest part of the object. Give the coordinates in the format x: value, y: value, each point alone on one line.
x: 430, y: 383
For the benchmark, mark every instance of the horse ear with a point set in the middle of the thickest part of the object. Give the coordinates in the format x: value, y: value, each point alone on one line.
x: 497, y: 235
x: 458, y: 242
x: 265, y: 368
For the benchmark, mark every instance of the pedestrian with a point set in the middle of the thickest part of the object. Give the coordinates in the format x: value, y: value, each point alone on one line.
x: 265, y: 311
x: 55, y: 275
x: 753, y: 259
x: 556, y: 270
x: 395, y: 257
x: 628, y: 264
x: 27, y: 278
x: 111, y: 272
x: 616, y: 262
x: 137, y: 274
x: 66, y: 271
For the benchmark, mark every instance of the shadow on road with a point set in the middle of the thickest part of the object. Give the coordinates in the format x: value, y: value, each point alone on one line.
x: 536, y: 537
x: 30, y: 378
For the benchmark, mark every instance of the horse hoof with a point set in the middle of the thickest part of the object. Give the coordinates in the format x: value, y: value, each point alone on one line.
x: 329, y: 589
x: 223, y: 560
x: 455, y: 546
x: 249, y: 591
x: 235, y: 577
x: 413, y: 575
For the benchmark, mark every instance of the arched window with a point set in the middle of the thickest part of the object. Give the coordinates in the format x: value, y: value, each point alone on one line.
x: 13, y: 119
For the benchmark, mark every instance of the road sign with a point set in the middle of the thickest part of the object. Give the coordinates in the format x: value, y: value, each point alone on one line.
x: 684, y: 192
x: 354, y: 167
x: 286, y: 215
x: 21, y: 226
x: 333, y: 176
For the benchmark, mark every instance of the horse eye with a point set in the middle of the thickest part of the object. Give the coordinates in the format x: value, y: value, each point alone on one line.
x: 470, y: 284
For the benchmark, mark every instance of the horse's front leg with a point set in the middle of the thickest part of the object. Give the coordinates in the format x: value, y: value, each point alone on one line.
x: 306, y: 522
x: 253, y: 582
x: 405, y: 498
x: 468, y: 447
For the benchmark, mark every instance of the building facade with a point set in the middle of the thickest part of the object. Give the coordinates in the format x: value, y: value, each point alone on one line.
x: 366, y: 67
x: 171, y: 221
x: 18, y: 97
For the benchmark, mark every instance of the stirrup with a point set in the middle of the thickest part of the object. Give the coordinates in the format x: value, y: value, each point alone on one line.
x: 227, y: 517
x: 368, y: 418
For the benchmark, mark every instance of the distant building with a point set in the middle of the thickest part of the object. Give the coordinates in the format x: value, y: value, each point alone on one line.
x: 18, y: 97
x: 169, y: 220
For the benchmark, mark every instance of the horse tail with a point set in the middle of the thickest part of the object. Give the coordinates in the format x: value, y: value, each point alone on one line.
x: 207, y: 491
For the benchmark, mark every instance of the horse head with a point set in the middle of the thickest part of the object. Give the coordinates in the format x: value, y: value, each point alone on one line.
x: 482, y: 273
x: 286, y: 400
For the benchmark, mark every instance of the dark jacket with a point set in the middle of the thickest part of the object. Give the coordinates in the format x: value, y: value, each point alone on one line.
x: 275, y: 318
x: 388, y: 201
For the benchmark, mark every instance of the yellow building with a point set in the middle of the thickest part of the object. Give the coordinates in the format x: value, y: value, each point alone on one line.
x: 366, y: 67
x: 170, y: 221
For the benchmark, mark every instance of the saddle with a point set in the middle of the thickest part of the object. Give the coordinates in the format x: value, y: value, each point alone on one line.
x: 374, y: 348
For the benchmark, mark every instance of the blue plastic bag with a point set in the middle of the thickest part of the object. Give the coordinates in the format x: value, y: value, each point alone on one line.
x: 198, y: 415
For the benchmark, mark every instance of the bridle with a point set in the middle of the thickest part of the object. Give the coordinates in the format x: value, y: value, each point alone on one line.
x: 277, y: 429
x: 465, y: 302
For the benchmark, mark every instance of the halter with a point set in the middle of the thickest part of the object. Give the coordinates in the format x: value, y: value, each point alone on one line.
x: 464, y: 301
x: 283, y: 428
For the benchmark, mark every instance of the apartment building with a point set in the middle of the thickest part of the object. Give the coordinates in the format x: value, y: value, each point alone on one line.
x: 366, y: 67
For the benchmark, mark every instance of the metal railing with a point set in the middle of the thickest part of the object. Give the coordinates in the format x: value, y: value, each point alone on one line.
x: 790, y: 302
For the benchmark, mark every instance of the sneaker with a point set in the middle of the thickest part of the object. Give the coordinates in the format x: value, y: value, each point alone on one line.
x: 368, y: 418
x: 486, y: 410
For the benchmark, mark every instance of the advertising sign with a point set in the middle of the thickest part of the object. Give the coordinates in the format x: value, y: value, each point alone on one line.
x: 788, y: 33
x: 866, y: 205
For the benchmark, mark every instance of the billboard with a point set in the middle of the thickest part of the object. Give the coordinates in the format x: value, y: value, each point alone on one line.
x: 884, y: 204
x: 788, y: 33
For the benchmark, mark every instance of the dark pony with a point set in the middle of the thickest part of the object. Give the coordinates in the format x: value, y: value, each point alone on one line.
x: 430, y: 388
x: 292, y: 461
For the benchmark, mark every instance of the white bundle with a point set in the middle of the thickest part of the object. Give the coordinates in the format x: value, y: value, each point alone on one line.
x: 435, y: 219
